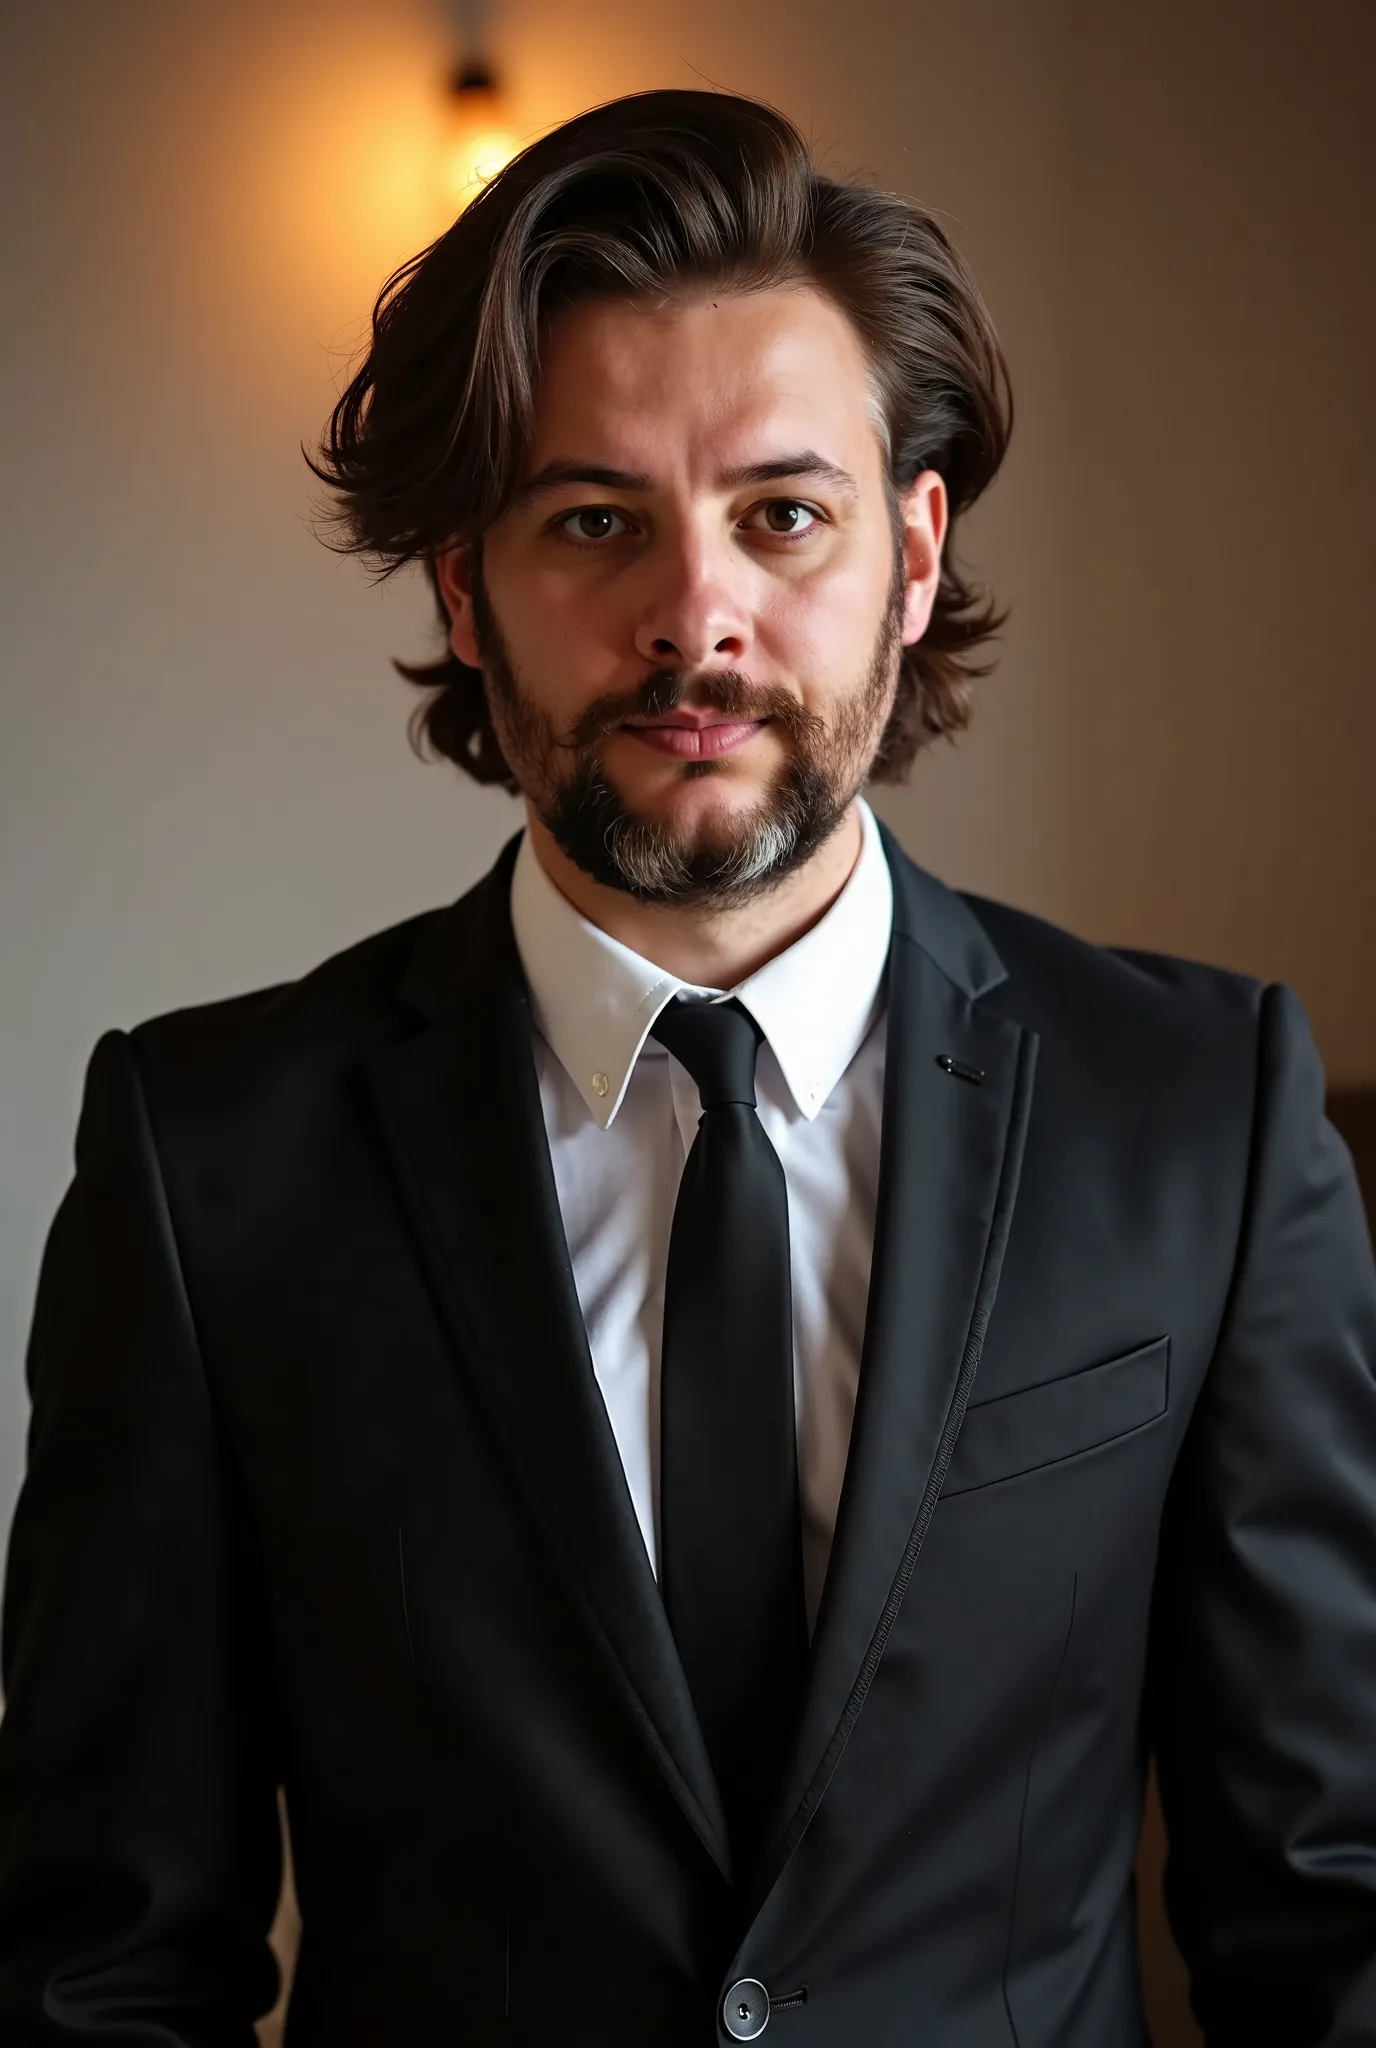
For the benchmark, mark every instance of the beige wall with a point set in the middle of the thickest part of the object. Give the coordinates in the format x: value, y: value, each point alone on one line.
x: 1223, y: 462
x: 204, y: 781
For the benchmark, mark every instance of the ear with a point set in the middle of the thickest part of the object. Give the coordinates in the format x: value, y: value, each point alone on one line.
x: 925, y: 515
x: 454, y: 573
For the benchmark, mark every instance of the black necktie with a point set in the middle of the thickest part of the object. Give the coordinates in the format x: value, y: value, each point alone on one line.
x: 731, y: 1568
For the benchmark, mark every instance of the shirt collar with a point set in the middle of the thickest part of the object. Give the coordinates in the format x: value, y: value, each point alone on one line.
x: 594, y: 1000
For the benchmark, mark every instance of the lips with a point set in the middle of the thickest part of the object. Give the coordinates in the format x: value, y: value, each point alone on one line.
x: 685, y: 738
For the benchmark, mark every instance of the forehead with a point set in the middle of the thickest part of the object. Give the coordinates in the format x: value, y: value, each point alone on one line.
x: 712, y: 375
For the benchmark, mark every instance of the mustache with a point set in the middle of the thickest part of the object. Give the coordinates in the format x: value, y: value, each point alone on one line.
x: 728, y: 691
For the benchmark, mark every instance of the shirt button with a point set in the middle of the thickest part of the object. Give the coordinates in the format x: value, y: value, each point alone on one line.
x: 600, y: 1084
x: 745, y: 2009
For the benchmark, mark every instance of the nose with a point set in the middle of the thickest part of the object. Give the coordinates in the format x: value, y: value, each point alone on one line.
x: 695, y: 615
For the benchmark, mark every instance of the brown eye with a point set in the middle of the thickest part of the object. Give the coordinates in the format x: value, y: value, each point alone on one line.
x: 590, y: 522
x: 788, y: 515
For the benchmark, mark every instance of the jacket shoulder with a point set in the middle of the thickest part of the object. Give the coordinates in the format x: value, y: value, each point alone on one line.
x: 327, y: 1018
x: 1157, y: 1050
x: 1050, y: 966
x: 1156, y: 1038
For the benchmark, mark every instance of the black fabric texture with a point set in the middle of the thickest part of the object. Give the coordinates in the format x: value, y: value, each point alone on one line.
x: 322, y: 1493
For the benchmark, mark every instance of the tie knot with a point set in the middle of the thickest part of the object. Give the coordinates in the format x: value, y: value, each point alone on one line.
x: 717, y: 1043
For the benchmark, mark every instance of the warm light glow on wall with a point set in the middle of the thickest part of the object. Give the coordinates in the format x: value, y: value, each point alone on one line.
x: 480, y: 137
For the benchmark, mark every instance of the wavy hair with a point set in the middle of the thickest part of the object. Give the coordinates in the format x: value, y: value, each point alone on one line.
x: 660, y: 192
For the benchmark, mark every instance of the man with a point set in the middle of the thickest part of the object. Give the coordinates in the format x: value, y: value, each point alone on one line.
x: 705, y: 1408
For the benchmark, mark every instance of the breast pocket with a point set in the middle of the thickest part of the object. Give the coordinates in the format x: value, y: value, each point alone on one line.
x: 1060, y: 1418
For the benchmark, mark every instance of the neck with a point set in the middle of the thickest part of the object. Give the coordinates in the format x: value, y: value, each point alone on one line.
x: 716, y: 947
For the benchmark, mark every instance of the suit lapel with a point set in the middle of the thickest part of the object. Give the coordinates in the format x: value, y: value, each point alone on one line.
x: 460, y: 1107
x: 951, y: 1150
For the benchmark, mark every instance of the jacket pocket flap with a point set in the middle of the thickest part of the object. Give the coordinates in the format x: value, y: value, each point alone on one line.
x: 1043, y: 1424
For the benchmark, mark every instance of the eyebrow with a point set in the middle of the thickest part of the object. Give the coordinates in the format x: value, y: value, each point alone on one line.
x: 804, y: 463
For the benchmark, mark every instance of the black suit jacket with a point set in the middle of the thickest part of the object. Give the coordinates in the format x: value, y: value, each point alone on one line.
x: 322, y: 1492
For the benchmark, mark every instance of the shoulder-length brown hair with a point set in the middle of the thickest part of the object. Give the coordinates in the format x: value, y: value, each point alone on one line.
x: 660, y: 191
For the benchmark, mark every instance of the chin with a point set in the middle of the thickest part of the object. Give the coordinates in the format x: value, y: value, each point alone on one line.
x: 702, y: 804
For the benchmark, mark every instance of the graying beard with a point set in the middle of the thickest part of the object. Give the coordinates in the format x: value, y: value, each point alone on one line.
x: 653, y: 866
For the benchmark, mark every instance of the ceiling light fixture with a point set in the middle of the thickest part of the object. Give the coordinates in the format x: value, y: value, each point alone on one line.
x: 480, y: 137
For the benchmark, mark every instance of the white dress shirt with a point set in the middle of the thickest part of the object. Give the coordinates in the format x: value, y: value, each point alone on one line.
x: 621, y: 1114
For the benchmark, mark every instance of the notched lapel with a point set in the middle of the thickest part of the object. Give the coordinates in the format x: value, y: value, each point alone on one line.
x: 951, y: 1152
x: 460, y: 1107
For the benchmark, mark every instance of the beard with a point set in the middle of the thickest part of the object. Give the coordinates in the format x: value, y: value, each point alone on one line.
x: 651, y: 859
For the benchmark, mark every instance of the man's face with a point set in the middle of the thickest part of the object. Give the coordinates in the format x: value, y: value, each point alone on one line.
x: 689, y: 619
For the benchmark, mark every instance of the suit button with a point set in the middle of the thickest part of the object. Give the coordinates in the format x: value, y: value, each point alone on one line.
x: 745, y: 2009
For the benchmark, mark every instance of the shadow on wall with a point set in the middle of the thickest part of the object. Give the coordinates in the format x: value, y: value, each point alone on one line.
x: 1165, y: 1986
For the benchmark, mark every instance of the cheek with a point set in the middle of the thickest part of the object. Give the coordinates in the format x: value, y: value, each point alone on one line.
x: 822, y: 629
x: 561, y: 633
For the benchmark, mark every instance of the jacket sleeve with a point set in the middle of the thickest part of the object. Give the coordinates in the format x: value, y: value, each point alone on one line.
x: 139, y: 1839
x: 1262, y: 1685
